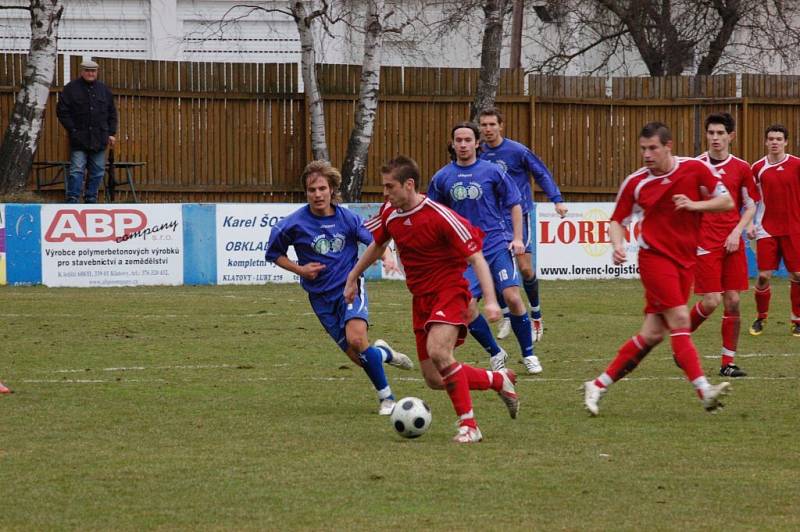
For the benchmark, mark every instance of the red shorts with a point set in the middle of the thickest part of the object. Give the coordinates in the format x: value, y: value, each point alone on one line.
x: 720, y: 271
x: 771, y: 249
x: 666, y: 285
x: 447, y: 306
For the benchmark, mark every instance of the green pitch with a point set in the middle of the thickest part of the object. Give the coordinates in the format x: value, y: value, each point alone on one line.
x: 228, y: 408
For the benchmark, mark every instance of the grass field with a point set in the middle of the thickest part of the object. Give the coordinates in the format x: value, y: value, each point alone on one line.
x: 228, y: 408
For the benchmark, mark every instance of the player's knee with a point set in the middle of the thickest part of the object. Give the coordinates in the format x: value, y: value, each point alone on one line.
x: 651, y: 338
x: 762, y: 281
x: 794, y: 277
x: 712, y: 301
x: 358, y: 342
x: 527, y: 273
x: 434, y: 382
x: 731, y: 301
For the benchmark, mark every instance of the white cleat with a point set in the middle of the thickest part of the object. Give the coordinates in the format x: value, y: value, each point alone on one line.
x: 532, y: 364
x: 505, y: 329
x: 399, y: 360
x: 711, y: 398
x: 537, y: 329
x: 592, y: 394
x: 508, y: 393
x: 386, y: 406
x: 498, y: 361
x: 468, y: 434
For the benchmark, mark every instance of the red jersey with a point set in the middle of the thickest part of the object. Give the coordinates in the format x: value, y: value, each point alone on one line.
x: 433, y: 243
x: 737, y: 176
x: 779, y: 185
x: 667, y: 231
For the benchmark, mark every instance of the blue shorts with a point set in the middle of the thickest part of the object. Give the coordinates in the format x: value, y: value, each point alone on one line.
x: 334, y: 313
x: 527, y: 234
x: 504, y: 273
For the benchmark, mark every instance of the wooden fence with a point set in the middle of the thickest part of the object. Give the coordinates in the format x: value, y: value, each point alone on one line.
x: 213, y: 132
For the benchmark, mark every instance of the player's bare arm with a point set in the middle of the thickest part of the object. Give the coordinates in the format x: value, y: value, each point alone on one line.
x: 517, y: 246
x: 308, y: 271
x: 372, y: 254
x: 617, y: 235
x: 481, y: 268
x: 720, y: 203
x: 734, y: 239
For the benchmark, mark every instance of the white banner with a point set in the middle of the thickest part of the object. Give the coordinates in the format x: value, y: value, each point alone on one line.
x: 2, y: 244
x: 578, y: 246
x: 124, y: 245
x: 242, y: 235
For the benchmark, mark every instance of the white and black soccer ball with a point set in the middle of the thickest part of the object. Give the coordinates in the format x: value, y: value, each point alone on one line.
x: 411, y: 417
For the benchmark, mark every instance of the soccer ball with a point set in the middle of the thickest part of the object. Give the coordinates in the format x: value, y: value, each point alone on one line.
x: 411, y: 417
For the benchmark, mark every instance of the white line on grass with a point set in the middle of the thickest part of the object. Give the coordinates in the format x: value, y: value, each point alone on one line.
x: 147, y: 368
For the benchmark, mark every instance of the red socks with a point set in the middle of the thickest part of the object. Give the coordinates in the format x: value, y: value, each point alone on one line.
x: 730, y: 336
x: 457, y: 386
x: 628, y: 357
x: 685, y: 353
x: 479, y: 379
x: 794, y: 296
x: 698, y: 315
x: 762, y: 301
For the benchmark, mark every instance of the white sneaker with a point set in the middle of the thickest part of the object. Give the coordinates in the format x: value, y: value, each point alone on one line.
x: 537, y: 329
x: 508, y: 393
x: 711, y: 398
x: 399, y: 360
x: 385, y: 407
x: 532, y: 364
x: 505, y: 329
x: 592, y: 394
x: 468, y: 434
x: 498, y: 361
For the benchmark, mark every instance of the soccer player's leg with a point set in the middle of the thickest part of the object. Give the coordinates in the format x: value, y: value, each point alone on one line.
x: 506, y: 280
x: 479, y: 327
x: 734, y: 280
x: 530, y: 283
x: 791, y: 257
x: 767, y: 257
x: 708, y: 284
x: 505, y: 324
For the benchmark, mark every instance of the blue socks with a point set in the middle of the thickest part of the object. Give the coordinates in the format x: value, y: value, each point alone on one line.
x: 372, y: 361
x: 531, y: 287
x: 479, y: 329
x: 521, y: 325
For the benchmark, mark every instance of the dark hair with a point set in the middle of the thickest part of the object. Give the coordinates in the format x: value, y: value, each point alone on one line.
x: 463, y: 125
x: 326, y: 170
x: 777, y: 128
x: 722, y: 118
x: 656, y: 129
x: 491, y: 111
x: 402, y: 168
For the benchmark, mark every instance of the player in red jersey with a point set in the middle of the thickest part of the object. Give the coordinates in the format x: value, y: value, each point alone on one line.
x: 668, y: 194
x: 777, y: 224
x: 435, y: 245
x: 721, y: 269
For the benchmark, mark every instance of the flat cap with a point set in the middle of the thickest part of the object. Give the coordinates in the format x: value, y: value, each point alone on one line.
x: 89, y: 65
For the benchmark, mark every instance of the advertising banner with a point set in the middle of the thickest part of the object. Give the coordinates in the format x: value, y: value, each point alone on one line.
x: 2, y: 244
x: 578, y: 246
x: 242, y: 235
x: 123, y: 245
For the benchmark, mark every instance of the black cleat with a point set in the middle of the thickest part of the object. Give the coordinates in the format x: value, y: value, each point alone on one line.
x: 731, y: 370
x: 757, y: 327
x: 796, y: 329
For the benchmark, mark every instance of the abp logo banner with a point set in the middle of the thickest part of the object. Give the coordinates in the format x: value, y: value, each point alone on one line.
x: 94, y: 225
x: 3, y: 279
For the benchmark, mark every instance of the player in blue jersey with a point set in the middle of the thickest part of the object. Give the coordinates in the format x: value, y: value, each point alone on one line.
x: 325, y: 238
x: 482, y: 193
x: 520, y: 163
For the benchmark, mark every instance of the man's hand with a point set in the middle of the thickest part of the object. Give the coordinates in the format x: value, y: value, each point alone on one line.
x: 389, y: 262
x: 751, y: 232
x: 682, y: 202
x: 561, y: 209
x: 733, y: 241
x: 350, y: 290
x: 517, y: 247
x: 619, y: 255
x: 310, y: 271
x: 112, y: 140
x: 492, y: 312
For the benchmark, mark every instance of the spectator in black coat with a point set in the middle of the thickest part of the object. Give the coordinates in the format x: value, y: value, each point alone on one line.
x: 86, y: 110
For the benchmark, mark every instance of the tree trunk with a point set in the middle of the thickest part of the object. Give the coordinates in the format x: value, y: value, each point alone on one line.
x: 355, y: 161
x: 490, y: 57
x: 308, y: 68
x: 22, y: 134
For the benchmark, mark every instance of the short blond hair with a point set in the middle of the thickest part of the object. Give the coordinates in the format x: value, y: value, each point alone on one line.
x: 329, y: 172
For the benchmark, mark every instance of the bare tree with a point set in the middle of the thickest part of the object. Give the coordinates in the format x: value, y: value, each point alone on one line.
x: 670, y: 37
x: 491, y: 47
x: 22, y: 134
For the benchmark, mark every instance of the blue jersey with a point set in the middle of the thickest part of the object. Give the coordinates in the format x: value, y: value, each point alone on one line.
x: 519, y: 162
x: 330, y: 240
x: 481, y: 193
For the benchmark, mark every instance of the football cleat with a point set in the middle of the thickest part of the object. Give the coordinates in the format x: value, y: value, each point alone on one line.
x: 592, y: 394
x: 385, y: 407
x: 711, y: 398
x: 467, y: 434
x: 795, y: 329
x: 399, y: 360
x: 4, y: 389
x: 498, y: 361
x: 731, y: 370
x: 532, y: 364
x: 537, y: 329
x: 508, y: 393
x: 505, y: 329
x: 757, y: 327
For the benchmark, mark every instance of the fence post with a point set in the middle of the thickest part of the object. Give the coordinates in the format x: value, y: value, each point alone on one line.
x: 744, y: 127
